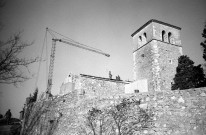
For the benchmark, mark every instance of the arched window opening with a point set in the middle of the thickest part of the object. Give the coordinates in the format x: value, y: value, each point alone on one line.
x: 139, y: 41
x: 144, y: 39
x: 169, y: 37
x: 140, y: 38
x: 136, y: 91
x: 145, y: 35
x: 163, y: 35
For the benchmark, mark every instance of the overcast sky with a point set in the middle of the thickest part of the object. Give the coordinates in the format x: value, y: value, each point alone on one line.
x: 103, y: 24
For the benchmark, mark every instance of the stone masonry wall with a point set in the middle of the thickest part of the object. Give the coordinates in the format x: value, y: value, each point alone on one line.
x: 137, y: 45
x: 93, y: 87
x: 143, y: 64
x: 149, y: 36
x: 156, y: 62
x: 180, y: 112
x: 176, y: 112
x: 168, y: 61
x: 96, y: 88
x: 157, y: 33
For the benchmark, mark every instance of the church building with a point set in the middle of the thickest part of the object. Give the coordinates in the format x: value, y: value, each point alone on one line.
x: 157, y: 47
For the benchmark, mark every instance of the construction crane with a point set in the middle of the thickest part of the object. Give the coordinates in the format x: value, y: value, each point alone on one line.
x: 69, y: 42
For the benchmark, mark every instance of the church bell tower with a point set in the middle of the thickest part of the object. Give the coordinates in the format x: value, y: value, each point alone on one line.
x: 157, y: 47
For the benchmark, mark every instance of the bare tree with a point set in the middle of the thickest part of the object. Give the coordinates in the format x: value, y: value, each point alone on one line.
x: 92, y: 119
x: 98, y: 121
x: 125, y: 118
x: 12, y: 67
x: 11, y: 64
x: 128, y: 117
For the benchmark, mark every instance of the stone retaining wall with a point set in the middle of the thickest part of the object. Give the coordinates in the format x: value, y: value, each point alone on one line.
x: 176, y: 112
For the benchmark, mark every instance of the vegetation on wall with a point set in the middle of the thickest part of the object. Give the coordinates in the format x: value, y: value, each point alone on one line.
x: 32, y: 98
x: 122, y: 119
x: 35, y: 94
x: 37, y: 119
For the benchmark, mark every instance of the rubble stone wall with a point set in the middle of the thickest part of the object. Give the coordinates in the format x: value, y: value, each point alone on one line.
x: 100, y: 88
x: 176, y: 112
x: 91, y: 87
x: 179, y: 112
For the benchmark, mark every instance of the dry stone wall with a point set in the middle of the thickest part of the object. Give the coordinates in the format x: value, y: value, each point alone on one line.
x: 180, y: 112
x: 100, y: 88
x: 92, y: 87
x: 175, y: 112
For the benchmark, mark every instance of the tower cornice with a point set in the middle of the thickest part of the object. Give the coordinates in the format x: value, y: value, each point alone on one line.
x: 153, y: 20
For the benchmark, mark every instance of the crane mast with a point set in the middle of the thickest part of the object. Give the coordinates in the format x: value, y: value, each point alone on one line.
x: 51, y: 66
x: 52, y: 57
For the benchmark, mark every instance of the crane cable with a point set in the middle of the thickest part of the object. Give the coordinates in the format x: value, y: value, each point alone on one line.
x: 71, y: 40
x: 75, y: 42
x: 45, y: 39
x: 50, y: 31
x: 46, y: 60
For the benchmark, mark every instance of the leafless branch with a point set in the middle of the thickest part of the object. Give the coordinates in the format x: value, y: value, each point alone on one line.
x: 11, y: 65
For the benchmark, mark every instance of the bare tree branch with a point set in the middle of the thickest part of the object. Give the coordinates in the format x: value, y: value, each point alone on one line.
x: 11, y: 65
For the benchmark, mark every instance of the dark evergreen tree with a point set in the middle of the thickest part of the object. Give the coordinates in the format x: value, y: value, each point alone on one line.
x: 198, y: 77
x: 203, y: 44
x: 34, y: 97
x: 187, y: 75
x: 183, y: 76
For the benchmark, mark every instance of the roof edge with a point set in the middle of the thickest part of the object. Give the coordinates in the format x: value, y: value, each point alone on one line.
x: 104, y: 79
x: 153, y: 20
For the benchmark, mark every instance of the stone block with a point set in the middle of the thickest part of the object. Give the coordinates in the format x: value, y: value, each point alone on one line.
x: 181, y: 100
x: 203, y: 94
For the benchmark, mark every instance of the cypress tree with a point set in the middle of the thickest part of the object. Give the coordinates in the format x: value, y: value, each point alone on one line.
x: 203, y: 44
x: 199, y: 79
x: 187, y: 75
x: 183, y: 76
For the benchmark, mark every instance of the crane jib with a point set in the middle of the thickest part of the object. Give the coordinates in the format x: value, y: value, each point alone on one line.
x: 82, y: 47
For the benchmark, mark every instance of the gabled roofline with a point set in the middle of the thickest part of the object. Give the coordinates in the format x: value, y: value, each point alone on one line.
x: 153, y: 20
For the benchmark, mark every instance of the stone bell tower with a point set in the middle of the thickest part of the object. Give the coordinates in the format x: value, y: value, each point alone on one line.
x: 157, y: 46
